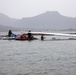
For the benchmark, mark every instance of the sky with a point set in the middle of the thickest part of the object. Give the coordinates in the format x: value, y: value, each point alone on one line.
x: 30, y: 8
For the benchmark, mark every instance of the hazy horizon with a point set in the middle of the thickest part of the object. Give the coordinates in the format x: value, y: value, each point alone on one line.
x: 30, y: 8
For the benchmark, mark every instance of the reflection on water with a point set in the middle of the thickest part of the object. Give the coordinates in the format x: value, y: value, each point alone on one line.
x: 37, y: 57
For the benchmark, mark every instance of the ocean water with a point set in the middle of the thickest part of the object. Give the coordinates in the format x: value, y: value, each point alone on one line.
x: 38, y: 57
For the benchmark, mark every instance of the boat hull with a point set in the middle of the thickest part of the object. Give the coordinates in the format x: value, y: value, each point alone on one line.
x: 26, y: 39
x: 8, y: 38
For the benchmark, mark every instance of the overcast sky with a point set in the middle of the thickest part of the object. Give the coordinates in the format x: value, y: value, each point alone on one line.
x: 29, y: 8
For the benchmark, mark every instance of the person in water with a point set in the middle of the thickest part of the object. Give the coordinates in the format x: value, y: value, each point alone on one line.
x: 9, y: 33
x: 42, y: 37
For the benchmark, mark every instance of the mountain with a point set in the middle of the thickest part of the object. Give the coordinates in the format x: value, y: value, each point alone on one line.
x: 6, y: 23
x: 49, y: 20
x: 7, y: 28
x: 5, y: 20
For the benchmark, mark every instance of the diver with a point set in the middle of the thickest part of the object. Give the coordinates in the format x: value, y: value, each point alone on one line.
x: 42, y: 37
x: 9, y: 33
x: 29, y: 35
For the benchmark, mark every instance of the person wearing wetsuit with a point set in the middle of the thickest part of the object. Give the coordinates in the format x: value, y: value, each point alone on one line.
x: 29, y: 35
x: 42, y: 38
x: 9, y: 33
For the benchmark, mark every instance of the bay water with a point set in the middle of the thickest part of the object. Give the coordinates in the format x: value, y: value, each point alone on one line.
x: 38, y: 57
